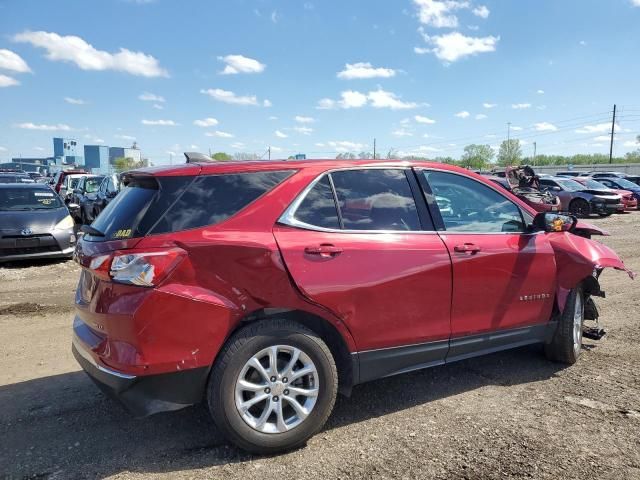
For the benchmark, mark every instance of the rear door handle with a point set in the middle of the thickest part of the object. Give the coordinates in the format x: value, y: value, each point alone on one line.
x: 325, y: 250
x: 467, y: 248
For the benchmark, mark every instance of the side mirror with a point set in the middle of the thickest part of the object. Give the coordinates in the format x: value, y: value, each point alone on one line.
x: 111, y: 194
x: 73, y: 207
x: 554, y: 222
x: 555, y: 189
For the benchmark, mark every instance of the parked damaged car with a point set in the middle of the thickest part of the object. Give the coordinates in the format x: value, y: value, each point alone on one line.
x: 34, y: 223
x: 523, y: 182
x: 629, y: 202
x: 265, y: 288
x: 579, y: 199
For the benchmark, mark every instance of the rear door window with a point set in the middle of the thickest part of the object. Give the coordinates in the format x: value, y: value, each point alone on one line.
x: 319, y: 207
x: 375, y: 199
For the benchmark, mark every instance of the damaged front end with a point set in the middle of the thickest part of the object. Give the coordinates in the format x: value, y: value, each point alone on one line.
x: 580, y: 261
x: 525, y: 185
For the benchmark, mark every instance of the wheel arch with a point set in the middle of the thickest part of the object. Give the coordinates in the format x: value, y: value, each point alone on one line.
x: 325, y: 329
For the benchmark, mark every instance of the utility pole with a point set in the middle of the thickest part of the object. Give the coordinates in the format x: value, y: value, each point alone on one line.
x: 374, y: 148
x: 613, y: 131
x: 535, y: 147
x: 509, y: 142
x: 269, y: 152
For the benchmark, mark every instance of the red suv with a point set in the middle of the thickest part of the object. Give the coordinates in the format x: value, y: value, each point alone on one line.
x: 268, y: 287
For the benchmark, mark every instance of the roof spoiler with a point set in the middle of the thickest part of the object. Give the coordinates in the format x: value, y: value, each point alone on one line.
x: 197, y: 157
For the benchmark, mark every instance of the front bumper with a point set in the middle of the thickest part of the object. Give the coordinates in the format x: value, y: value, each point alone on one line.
x: 606, y: 208
x: 144, y: 395
x: 55, y: 244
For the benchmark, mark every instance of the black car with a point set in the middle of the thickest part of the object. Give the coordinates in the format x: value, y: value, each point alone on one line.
x: 15, y: 177
x: 34, y: 223
x: 109, y: 188
x: 82, y: 198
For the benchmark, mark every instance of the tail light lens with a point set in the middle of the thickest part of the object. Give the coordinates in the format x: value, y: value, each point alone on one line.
x: 143, y: 268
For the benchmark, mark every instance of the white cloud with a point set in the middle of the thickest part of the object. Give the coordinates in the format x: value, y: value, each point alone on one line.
x: 194, y: 147
x: 76, y: 50
x: 520, y: 106
x: 279, y: 134
x: 219, y: 134
x: 272, y: 117
x: 545, y: 127
x: 326, y: 104
x: 160, y: 123
x: 226, y: 96
x: 540, y: 92
x: 3, y: 149
x: 319, y: 144
x: 635, y: 3
x: 481, y: 11
x: 421, y: 119
x: 267, y: 103
x: 480, y: 116
x: 630, y: 143
x: 74, y: 101
x: 206, y: 122
x: 345, y: 146
x: 94, y: 139
x: 12, y: 61
x: 6, y: 81
x: 516, y: 129
x: 150, y: 97
x: 438, y: 14
x: 303, y: 130
x: 462, y: 114
x: 352, y: 99
x: 49, y: 128
x: 39, y: 149
x: 401, y: 132
x: 158, y: 106
x: 237, y: 145
x: 275, y: 17
x: 453, y: 46
x: 125, y: 137
x: 383, y: 99
x: 301, y: 119
x: 364, y: 70
x: 489, y: 105
x: 240, y: 64
x: 599, y: 128
x: 583, y: 43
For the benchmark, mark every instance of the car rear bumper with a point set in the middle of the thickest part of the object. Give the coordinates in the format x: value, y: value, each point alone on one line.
x: 144, y: 395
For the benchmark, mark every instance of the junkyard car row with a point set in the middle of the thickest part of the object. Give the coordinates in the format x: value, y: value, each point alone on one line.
x: 268, y: 287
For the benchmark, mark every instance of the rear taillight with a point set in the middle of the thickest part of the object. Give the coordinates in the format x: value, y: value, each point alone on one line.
x: 143, y: 268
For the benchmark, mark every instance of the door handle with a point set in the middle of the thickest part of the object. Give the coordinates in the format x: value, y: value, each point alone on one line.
x: 325, y: 250
x: 467, y: 248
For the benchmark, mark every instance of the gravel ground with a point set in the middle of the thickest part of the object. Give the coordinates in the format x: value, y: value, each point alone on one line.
x: 510, y: 414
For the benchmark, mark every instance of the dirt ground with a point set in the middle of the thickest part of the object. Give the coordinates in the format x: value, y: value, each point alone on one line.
x: 507, y: 415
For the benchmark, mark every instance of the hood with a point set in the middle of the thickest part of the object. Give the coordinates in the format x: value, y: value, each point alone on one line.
x: 38, y: 221
x: 599, y: 192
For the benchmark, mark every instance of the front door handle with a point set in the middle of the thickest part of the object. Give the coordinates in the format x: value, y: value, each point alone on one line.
x: 467, y: 248
x: 325, y: 250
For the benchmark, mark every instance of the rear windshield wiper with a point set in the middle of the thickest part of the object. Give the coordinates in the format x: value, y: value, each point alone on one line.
x: 91, y: 231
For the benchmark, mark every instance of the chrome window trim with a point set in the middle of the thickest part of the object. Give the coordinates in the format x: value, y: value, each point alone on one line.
x: 288, y: 216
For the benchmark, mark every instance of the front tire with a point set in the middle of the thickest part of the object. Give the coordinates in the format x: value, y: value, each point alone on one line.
x: 580, y: 208
x: 273, y: 386
x: 566, y: 344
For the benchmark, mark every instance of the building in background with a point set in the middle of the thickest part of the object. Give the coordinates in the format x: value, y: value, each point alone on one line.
x: 96, y: 158
x: 39, y: 165
x: 65, y: 151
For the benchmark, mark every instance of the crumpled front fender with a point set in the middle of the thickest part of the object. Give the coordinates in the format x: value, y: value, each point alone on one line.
x: 589, y: 229
x: 577, y: 258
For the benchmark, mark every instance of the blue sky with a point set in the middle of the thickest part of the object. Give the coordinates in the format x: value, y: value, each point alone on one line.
x: 320, y: 77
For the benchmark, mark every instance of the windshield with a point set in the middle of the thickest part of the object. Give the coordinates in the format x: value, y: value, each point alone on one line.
x: 595, y: 185
x: 13, y: 199
x: 92, y: 184
x: 624, y: 183
x: 569, y: 185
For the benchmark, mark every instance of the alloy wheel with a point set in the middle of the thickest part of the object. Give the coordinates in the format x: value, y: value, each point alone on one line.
x: 277, y: 389
x: 578, y: 315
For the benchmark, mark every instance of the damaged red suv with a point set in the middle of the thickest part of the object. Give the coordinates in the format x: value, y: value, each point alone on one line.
x: 265, y: 288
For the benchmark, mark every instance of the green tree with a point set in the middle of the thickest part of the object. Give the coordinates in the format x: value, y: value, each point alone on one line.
x: 510, y: 153
x: 246, y: 156
x: 477, y: 156
x: 221, y: 157
x: 122, y: 164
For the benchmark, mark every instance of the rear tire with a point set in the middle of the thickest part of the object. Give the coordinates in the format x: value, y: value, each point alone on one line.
x: 566, y: 344
x: 275, y: 423
x: 580, y: 208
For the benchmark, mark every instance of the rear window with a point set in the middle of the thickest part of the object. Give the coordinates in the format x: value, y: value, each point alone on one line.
x: 150, y: 205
